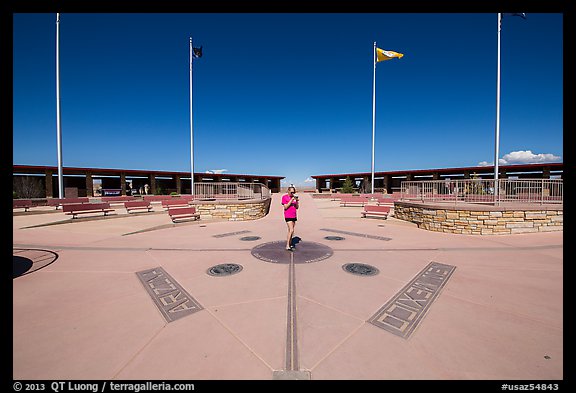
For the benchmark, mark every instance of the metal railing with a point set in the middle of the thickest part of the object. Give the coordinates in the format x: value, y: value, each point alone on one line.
x: 230, y: 191
x: 540, y: 191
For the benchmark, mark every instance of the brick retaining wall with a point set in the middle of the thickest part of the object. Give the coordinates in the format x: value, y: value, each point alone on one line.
x: 477, y: 219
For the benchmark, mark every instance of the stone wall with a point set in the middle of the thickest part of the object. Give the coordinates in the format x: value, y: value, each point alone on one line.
x: 233, y: 210
x: 481, y: 219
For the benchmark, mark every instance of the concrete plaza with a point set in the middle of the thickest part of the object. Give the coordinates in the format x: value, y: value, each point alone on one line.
x: 88, y: 314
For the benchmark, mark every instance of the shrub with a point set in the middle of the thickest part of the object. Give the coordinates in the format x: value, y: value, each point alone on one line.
x: 27, y: 187
x: 348, y: 186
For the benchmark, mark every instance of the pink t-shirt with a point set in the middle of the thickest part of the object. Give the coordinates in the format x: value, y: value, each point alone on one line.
x: 291, y: 211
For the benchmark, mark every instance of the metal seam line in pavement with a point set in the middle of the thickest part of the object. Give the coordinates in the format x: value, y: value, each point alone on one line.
x: 368, y: 236
x: 292, y: 340
x: 447, y: 249
x: 230, y: 234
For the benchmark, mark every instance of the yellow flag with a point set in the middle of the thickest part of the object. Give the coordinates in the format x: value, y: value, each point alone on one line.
x: 382, y: 54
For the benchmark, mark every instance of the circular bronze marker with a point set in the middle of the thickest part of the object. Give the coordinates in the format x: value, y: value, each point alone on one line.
x: 224, y: 269
x: 304, y: 252
x: 250, y: 238
x: 360, y: 269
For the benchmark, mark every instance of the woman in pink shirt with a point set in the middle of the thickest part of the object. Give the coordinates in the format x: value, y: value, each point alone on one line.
x: 290, y: 204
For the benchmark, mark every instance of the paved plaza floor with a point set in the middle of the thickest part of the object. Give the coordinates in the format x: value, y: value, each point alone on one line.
x: 135, y: 297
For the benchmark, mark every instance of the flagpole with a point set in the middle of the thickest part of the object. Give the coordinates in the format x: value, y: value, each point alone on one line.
x: 373, y: 115
x: 58, y: 121
x: 191, y: 127
x: 497, y: 138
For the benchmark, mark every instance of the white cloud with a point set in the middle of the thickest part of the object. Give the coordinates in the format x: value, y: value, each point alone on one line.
x: 527, y: 157
x: 523, y: 157
x: 309, y: 180
x: 217, y: 171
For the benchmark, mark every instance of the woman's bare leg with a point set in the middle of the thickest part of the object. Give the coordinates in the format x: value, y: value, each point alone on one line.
x: 290, y: 233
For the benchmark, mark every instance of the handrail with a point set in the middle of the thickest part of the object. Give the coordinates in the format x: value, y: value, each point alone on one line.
x: 230, y: 191
x: 540, y: 191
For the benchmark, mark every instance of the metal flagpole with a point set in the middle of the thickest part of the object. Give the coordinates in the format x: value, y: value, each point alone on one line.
x: 58, y: 122
x: 191, y: 127
x: 497, y: 139
x: 373, y: 115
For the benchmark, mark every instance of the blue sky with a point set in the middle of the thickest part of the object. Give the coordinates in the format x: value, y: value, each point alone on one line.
x: 287, y: 94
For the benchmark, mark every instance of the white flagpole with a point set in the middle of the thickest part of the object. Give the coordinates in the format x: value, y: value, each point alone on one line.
x: 191, y: 127
x: 497, y: 139
x: 58, y: 122
x: 373, y: 115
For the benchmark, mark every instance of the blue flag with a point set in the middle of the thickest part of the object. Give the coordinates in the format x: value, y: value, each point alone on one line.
x: 522, y: 15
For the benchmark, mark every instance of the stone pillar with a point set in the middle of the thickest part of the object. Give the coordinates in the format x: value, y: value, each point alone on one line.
x: 502, y: 174
x: 388, y: 184
x: 332, y: 181
x: 466, y: 174
x: 546, y: 172
x: 152, y: 184
x: 366, y: 181
x: 48, y: 185
x: 89, y: 184
x: 123, y: 183
x: 274, y: 185
x: 178, y: 184
x: 318, y: 185
x: 435, y: 176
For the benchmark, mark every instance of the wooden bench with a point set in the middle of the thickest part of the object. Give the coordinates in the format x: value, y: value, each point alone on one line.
x: 81, y: 208
x: 376, y: 211
x: 186, y: 197
x: 57, y: 202
x: 156, y: 198
x: 183, y: 212
x: 353, y: 201
x: 137, y: 205
x: 385, y: 201
x: 22, y: 203
x: 322, y: 196
x: 118, y: 199
x: 167, y: 203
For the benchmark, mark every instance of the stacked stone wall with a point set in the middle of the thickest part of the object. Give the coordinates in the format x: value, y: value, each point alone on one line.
x: 233, y: 210
x: 481, y: 220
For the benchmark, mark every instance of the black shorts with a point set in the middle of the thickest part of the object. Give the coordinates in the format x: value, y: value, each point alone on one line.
x: 290, y: 219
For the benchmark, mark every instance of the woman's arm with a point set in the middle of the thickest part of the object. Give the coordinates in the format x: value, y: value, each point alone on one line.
x: 287, y: 205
